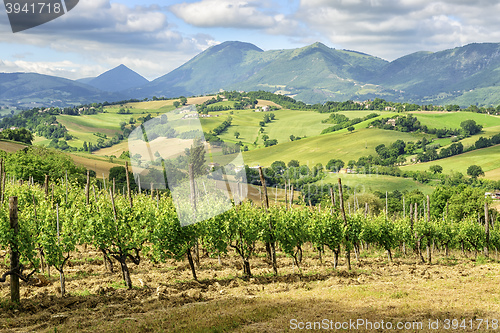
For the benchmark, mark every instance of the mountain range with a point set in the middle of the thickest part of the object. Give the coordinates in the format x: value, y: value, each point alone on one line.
x: 314, y: 74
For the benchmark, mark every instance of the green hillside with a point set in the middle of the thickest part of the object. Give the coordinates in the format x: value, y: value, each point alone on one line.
x: 287, y: 122
x: 339, y: 145
x: 487, y: 158
x: 453, y: 119
x: 370, y: 183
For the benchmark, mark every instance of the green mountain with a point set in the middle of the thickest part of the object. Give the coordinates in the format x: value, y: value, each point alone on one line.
x: 31, y: 89
x: 313, y: 73
x: 447, y: 76
x: 316, y: 73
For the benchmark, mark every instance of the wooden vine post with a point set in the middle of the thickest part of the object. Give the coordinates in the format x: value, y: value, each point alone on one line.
x: 87, y: 188
x: 271, y: 245
x: 429, y: 238
x: 1, y: 182
x: 342, y: 211
x: 128, y: 184
x: 46, y: 186
x: 15, y: 295
x: 192, y: 198
x: 486, y: 229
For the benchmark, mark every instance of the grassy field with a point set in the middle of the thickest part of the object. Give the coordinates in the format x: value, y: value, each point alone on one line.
x: 453, y: 119
x: 370, y: 183
x: 320, y: 149
x: 487, y: 158
x: 287, y: 122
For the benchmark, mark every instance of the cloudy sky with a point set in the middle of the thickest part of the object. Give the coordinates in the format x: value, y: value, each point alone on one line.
x: 154, y: 37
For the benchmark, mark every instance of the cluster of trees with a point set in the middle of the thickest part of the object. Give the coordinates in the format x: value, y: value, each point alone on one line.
x: 409, y: 123
x: 124, y: 111
x: 376, y: 104
x: 343, y: 121
x: 431, y: 154
x: 36, y: 120
x: 37, y: 161
x: 182, y: 101
x: 279, y: 174
x: 18, y: 134
x: 90, y: 147
x: 267, y: 118
x: 222, y: 127
x: 485, y: 142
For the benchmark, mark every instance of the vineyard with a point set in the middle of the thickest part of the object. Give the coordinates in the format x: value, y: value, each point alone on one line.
x: 59, y: 220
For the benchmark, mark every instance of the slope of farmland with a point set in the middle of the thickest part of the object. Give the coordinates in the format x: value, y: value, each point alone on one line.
x: 453, y: 119
x: 373, y: 182
x: 487, y: 158
x: 320, y: 149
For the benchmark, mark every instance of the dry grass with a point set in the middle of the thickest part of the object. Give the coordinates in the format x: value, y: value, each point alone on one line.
x: 167, y: 300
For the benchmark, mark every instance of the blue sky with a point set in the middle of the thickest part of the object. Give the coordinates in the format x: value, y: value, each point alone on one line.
x: 154, y: 37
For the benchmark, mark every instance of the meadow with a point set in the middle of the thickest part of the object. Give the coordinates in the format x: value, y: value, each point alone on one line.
x: 487, y: 158
x: 372, y: 182
x: 337, y: 145
x: 453, y: 119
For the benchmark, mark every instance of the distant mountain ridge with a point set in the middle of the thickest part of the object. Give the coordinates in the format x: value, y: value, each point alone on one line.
x: 314, y: 74
x: 32, y: 89
x: 118, y: 79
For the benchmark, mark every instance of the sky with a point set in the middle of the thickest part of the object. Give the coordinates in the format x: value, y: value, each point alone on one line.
x: 153, y: 37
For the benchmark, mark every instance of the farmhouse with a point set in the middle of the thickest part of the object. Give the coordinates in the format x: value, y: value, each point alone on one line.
x: 391, y: 122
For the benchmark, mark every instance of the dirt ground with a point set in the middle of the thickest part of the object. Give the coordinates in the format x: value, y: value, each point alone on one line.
x: 166, y: 299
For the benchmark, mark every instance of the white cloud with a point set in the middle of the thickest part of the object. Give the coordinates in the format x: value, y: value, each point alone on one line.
x: 392, y: 28
x: 109, y: 33
x: 223, y: 13
x: 237, y: 14
x: 65, y: 69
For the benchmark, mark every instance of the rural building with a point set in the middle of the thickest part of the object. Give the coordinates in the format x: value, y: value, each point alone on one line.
x: 391, y: 122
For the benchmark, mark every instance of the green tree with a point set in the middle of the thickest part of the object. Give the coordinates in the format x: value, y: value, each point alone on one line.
x: 436, y: 169
x: 293, y: 164
x: 469, y: 127
x: 350, y: 129
x: 475, y: 171
x: 335, y: 165
x: 236, y: 134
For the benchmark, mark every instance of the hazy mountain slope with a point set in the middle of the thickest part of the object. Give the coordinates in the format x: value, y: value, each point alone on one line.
x: 313, y: 74
x: 445, y: 74
x: 28, y: 88
x: 117, y: 79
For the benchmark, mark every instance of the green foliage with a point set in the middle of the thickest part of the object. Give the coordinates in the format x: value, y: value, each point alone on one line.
x: 37, y: 162
x: 475, y: 171
x: 469, y: 127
